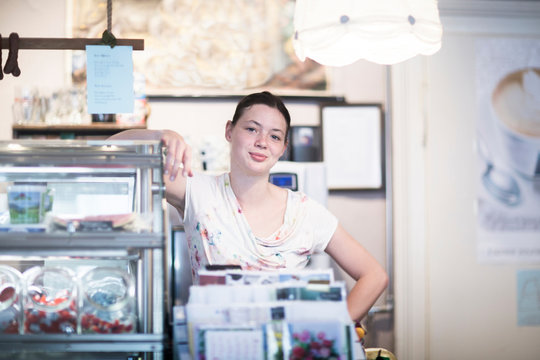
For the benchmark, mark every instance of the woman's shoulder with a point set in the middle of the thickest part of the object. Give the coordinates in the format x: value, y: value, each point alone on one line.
x: 300, y: 202
x: 204, y: 190
x: 206, y: 176
x: 208, y: 180
x: 299, y: 197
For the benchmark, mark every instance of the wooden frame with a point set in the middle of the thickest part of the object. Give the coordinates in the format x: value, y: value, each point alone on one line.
x: 353, y: 146
x: 235, y: 50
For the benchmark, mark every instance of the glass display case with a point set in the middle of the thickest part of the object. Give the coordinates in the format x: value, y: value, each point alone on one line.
x: 82, y: 250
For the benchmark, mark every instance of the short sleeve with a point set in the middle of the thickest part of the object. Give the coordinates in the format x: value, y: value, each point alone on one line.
x: 200, y: 191
x: 324, y: 225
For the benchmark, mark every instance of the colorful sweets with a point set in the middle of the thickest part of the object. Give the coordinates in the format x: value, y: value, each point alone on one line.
x: 50, y: 304
x: 108, y: 301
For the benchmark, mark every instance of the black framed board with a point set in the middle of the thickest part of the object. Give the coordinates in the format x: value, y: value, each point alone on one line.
x: 353, y: 145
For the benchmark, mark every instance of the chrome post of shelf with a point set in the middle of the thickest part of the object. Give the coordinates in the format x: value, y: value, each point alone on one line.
x: 158, y: 292
x: 148, y: 265
x: 138, y: 191
x: 140, y: 294
x: 168, y: 258
x: 161, y: 276
x: 147, y: 300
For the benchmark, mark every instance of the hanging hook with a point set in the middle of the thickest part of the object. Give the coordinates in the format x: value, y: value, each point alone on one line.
x: 11, y: 64
x: 107, y: 38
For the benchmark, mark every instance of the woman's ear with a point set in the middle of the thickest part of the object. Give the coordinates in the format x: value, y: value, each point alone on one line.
x: 228, y: 130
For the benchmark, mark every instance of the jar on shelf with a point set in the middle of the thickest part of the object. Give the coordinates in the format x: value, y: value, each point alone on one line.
x: 10, y: 309
x: 108, y: 301
x: 50, y: 301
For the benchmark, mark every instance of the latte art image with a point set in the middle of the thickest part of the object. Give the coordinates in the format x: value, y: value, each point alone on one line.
x: 516, y: 101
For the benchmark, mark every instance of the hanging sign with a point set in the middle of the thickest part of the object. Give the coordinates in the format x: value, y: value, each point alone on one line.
x: 109, y: 79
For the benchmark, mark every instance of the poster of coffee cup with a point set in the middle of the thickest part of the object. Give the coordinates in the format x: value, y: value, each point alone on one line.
x: 507, y: 202
x: 516, y: 111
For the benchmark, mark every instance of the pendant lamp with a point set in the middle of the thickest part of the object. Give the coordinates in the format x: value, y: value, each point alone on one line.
x: 340, y: 32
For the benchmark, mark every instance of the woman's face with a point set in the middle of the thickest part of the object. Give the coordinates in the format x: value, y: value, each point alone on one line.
x: 257, y: 139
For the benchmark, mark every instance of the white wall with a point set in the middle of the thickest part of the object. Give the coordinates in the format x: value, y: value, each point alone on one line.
x: 448, y: 305
x: 45, y: 70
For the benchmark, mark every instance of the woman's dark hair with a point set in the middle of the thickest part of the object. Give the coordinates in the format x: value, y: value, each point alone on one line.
x: 263, y: 98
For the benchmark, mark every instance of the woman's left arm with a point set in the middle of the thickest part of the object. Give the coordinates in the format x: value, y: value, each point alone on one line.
x: 371, y: 278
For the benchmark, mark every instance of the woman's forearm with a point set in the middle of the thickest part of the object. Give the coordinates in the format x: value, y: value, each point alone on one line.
x: 137, y: 134
x: 365, y: 292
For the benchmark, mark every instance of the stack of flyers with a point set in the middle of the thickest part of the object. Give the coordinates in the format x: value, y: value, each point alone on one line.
x: 240, y: 293
x: 334, y: 292
x: 277, y: 340
x: 229, y: 342
x: 245, y: 277
x: 278, y: 315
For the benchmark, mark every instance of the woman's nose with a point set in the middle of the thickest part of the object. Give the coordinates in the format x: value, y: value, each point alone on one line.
x: 261, y: 140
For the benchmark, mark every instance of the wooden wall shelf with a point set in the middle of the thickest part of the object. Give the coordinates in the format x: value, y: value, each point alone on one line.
x: 89, y: 131
x: 67, y: 44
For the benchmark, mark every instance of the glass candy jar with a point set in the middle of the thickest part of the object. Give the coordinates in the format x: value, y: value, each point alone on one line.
x: 50, y: 301
x: 10, y: 310
x: 108, y: 301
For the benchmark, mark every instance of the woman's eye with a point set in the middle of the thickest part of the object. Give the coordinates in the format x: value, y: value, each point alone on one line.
x: 250, y: 129
x: 275, y: 137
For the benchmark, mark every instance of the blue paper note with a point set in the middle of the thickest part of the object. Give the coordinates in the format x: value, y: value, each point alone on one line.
x: 109, y: 79
x: 528, y: 297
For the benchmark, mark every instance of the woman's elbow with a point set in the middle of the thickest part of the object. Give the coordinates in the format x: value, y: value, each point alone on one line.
x: 382, y: 279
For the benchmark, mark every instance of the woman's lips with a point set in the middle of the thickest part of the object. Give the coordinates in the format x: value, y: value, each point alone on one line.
x: 258, y: 157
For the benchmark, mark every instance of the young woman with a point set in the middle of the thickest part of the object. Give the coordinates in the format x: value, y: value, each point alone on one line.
x: 241, y: 218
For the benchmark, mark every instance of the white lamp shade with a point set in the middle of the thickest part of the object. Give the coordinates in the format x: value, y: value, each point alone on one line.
x: 340, y: 32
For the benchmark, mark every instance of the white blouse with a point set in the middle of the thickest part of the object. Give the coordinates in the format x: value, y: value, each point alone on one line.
x: 218, y: 232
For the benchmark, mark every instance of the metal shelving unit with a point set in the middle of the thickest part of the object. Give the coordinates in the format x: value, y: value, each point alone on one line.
x: 143, y: 248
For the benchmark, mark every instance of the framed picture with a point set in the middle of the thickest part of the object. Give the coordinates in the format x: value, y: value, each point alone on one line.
x: 305, y: 144
x: 353, y: 145
x: 207, y: 48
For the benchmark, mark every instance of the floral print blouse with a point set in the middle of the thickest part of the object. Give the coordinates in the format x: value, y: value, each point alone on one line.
x: 219, y: 234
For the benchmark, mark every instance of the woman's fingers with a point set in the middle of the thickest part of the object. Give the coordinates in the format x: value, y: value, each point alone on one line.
x: 186, y: 161
x: 177, y: 163
x: 178, y: 155
x: 171, y: 153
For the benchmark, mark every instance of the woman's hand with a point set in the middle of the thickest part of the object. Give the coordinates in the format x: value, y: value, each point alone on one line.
x: 178, y: 152
x: 178, y: 155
